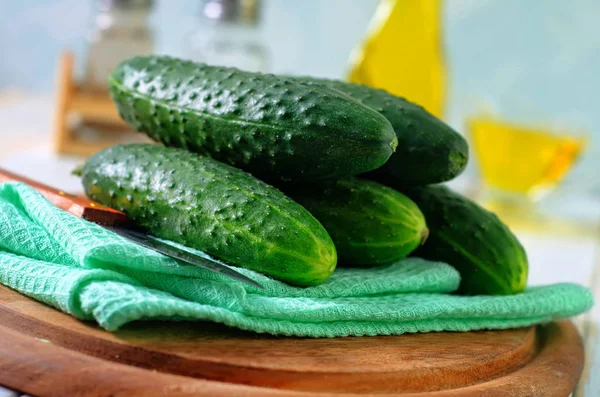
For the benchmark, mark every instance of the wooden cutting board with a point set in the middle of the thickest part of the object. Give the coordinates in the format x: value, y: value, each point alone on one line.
x: 47, y: 353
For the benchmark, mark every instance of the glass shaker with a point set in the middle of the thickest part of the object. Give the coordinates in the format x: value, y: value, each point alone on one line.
x: 229, y: 35
x: 120, y: 31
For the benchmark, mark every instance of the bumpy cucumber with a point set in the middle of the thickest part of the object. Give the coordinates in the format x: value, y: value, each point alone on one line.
x: 488, y: 256
x: 275, y: 128
x: 429, y: 151
x: 369, y: 223
x: 210, y: 206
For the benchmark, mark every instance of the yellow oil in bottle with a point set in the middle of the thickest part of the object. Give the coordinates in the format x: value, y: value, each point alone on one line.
x: 521, y: 159
x: 403, y: 53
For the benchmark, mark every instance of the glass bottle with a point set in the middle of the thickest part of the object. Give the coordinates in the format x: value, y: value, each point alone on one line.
x: 229, y: 35
x: 403, y: 53
x: 120, y: 31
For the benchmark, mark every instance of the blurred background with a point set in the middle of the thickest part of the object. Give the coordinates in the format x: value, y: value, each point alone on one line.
x: 518, y: 79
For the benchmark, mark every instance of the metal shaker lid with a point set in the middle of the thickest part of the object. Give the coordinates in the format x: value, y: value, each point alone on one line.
x: 240, y: 11
x: 126, y: 4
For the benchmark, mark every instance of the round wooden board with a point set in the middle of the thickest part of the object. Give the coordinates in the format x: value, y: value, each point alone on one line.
x: 47, y: 353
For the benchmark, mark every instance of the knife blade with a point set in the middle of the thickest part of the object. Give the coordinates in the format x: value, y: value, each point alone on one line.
x: 117, y: 222
x: 156, y: 245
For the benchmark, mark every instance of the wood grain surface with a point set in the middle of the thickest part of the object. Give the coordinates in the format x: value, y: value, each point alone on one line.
x: 40, y: 346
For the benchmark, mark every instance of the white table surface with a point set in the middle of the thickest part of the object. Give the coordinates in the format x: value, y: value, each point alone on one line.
x: 25, y: 136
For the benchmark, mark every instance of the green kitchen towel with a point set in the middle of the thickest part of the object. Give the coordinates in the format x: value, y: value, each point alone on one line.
x: 93, y: 274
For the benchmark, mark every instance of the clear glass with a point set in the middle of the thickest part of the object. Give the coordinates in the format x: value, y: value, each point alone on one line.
x: 229, y: 44
x: 529, y: 110
x: 117, y: 34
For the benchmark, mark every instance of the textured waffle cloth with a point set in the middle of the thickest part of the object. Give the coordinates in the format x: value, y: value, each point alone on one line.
x: 93, y: 274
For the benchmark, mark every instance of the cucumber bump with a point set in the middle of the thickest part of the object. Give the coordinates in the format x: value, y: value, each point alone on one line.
x: 204, y: 204
x: 489, y: 257
x: 278, y: 129
x: 428, y: 147
x: 370, y: 224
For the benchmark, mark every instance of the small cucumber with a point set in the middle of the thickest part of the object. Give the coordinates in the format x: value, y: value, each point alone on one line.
x: 489, y: 257
x: 370, y: 224
x: 278, y: 129
x: 428, y: 147
x: 210, y: 206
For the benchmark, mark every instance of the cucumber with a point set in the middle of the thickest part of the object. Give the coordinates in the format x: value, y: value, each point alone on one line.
x: 489, y: 258
x: 429, y: 148
x: 370, y: 224
x: 204, y: 204
x: 278, y: 129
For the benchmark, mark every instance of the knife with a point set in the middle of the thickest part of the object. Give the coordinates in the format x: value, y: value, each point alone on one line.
x: 117, y: 222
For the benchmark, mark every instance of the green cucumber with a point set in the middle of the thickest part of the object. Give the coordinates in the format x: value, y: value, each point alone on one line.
x: 488, y: 256
x: 278, y: 129
x: 370, y: 224
x: 204, y: 204
x: 429, y: 148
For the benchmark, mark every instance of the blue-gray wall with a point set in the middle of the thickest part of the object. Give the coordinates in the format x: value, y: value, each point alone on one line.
x: 529, y: 61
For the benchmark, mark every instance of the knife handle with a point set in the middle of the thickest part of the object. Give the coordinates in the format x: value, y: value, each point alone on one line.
x: 78, y: 206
